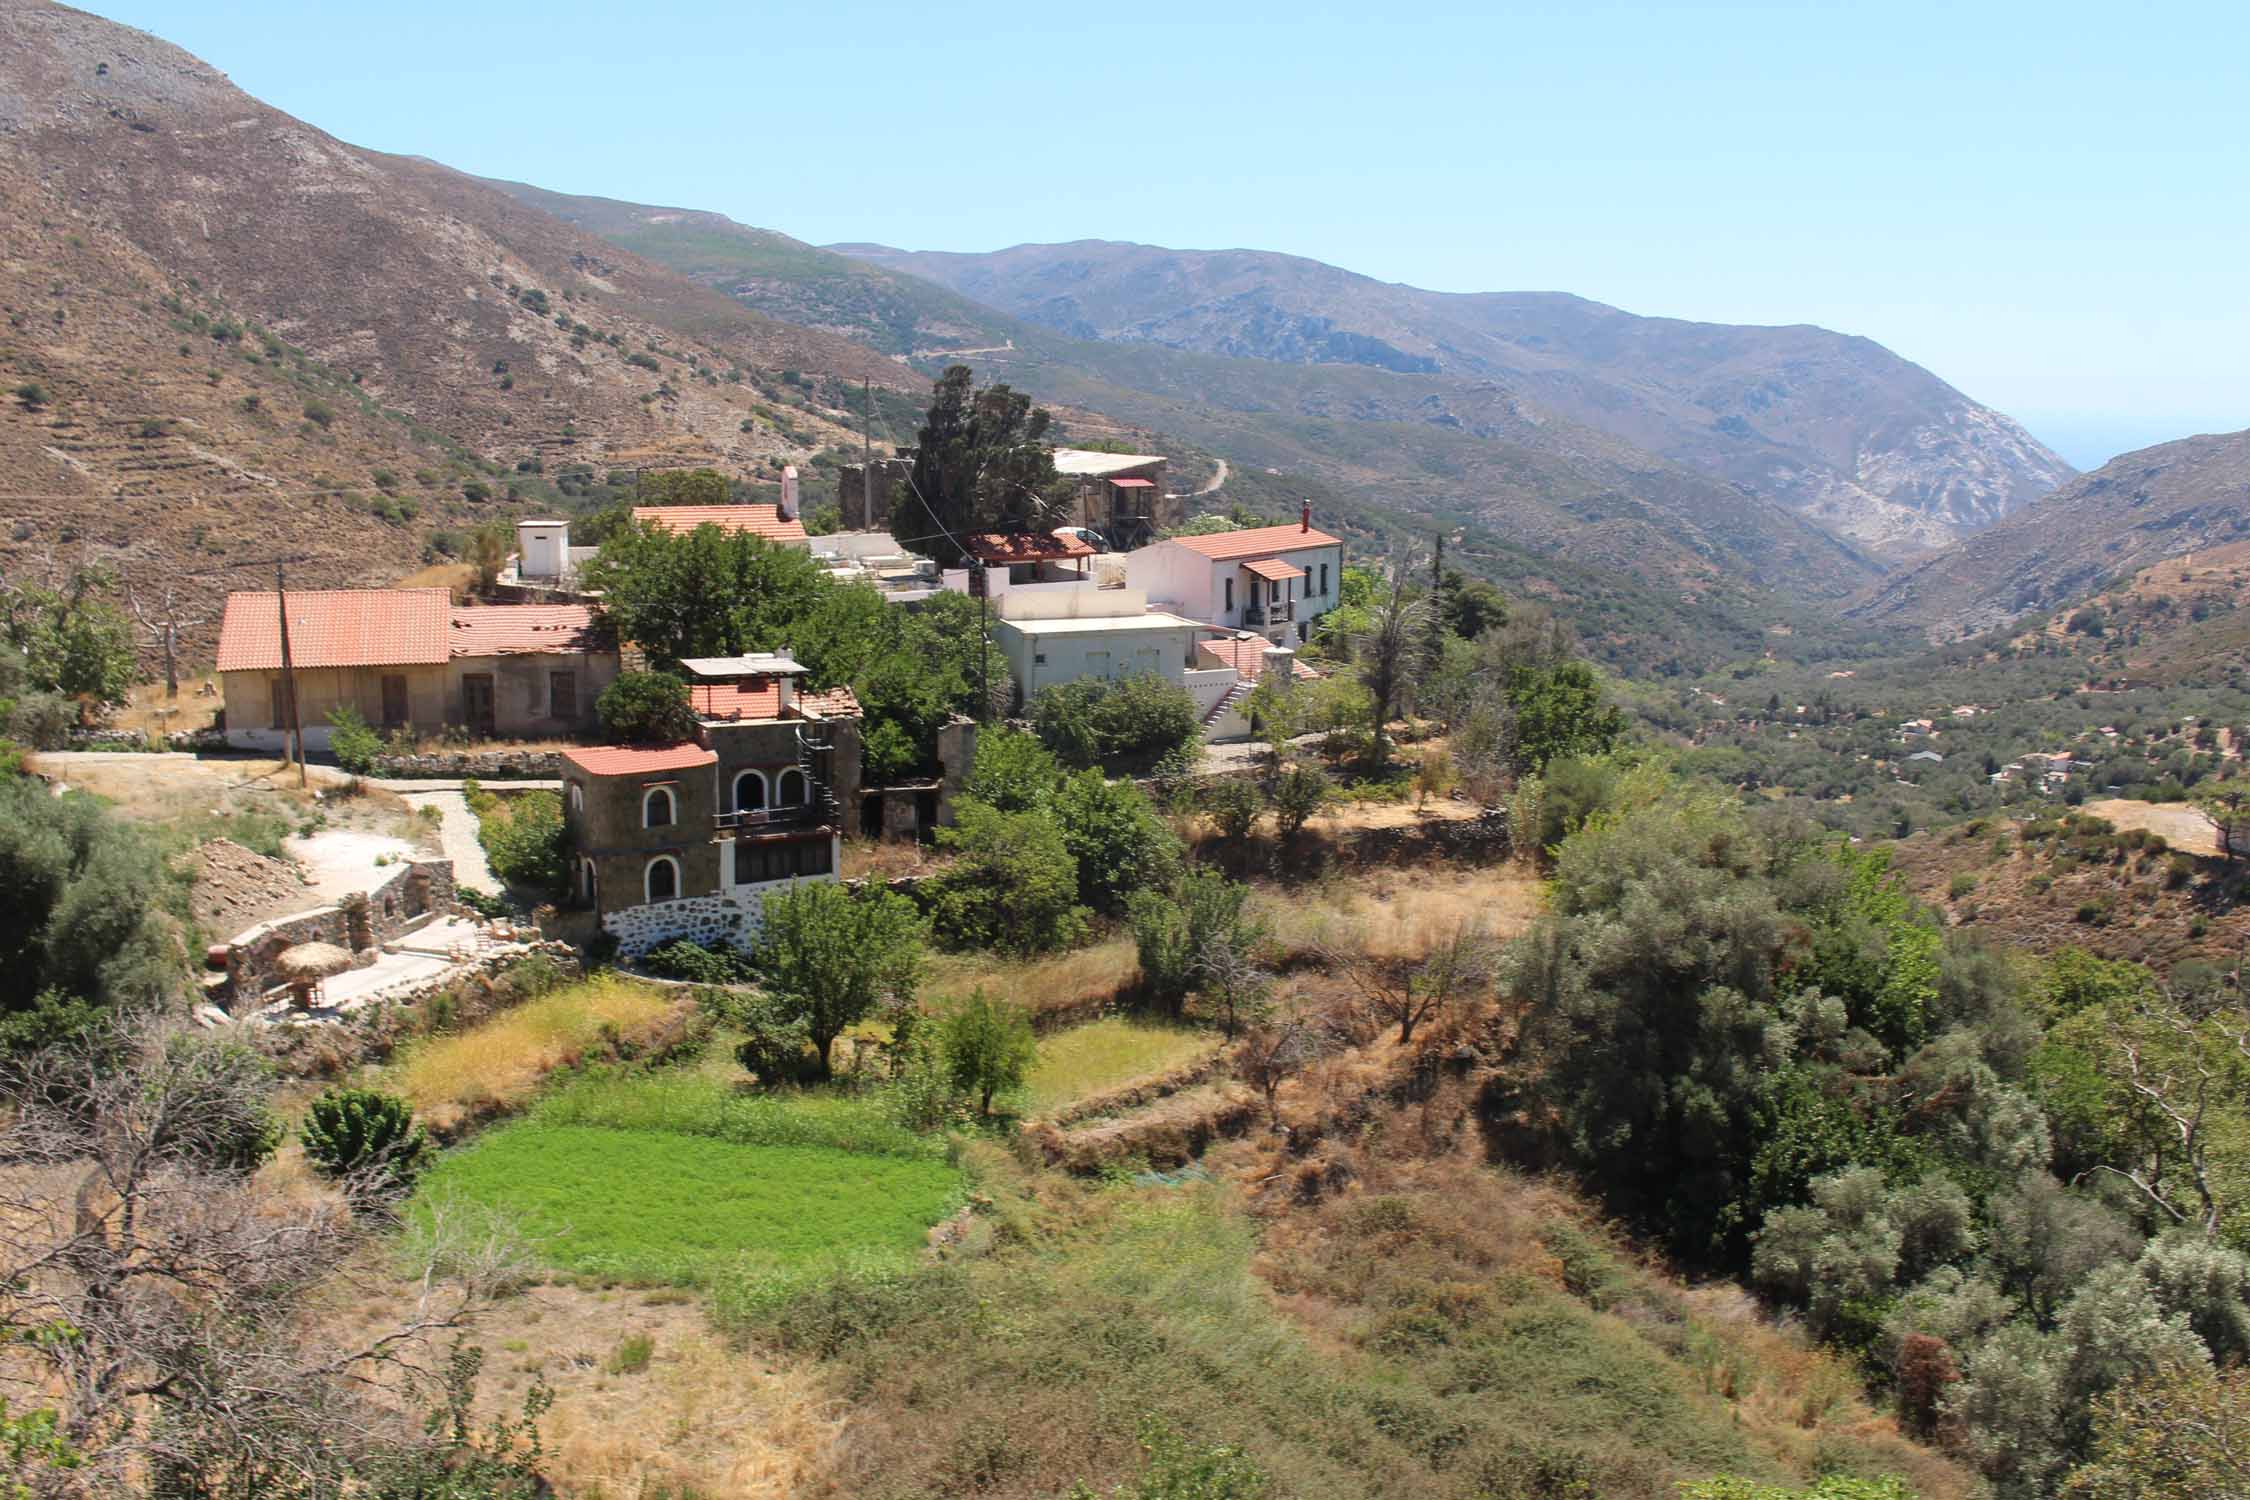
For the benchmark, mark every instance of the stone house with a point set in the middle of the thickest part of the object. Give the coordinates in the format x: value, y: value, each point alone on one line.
x: 410, y: 659
x: 688, y: 839
x: 1120, y: 495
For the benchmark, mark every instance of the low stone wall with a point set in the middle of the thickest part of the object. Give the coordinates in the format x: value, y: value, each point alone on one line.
x: 187, y: 740
x: 471, y: 765
x: 1485, y: 836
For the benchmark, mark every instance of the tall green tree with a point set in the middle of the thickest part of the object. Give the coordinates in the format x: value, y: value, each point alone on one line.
x: 1013, y: 886
x: 830, y: 956
x: 982, y: 462
x: 987, y: 1045
x: 706, y: 592
x: 1559, y: 711
x: 75, y: 641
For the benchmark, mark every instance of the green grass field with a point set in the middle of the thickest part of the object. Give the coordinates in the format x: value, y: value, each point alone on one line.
x: 655, y: 1206
x: 1104, y: 1054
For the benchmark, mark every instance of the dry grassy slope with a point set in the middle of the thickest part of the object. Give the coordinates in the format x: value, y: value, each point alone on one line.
x: 130, y: 171
x: 2159, y: 502
x: 2176, y: 621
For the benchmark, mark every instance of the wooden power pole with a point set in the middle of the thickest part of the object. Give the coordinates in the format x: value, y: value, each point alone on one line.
x: 294, y: 726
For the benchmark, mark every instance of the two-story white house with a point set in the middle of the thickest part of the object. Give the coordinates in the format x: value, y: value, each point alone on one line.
x: 1275, y: 580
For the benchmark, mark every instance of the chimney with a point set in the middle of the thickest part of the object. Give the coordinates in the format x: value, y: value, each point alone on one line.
x: 789, y: 493
x: 1304, y: 517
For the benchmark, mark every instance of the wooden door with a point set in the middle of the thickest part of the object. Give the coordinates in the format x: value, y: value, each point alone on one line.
x: 477, y: 704
x: 394, y: 702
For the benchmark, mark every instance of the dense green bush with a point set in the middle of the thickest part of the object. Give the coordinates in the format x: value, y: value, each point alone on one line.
x: 524, y: 836
x: 1115, y: 836
x: 684, y: 958
x: 1014, y: 771
x: 1174, y: 929
x: 1013, y: 887
x: 1127, y: 727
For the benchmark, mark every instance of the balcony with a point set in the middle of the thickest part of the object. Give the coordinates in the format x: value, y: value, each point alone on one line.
x: 760, y: 819
x: 1270, y: 614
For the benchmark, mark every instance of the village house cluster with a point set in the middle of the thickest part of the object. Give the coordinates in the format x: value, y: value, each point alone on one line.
x: 685, y: 839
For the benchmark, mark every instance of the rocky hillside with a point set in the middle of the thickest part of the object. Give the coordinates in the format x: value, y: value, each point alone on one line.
x: 175, y: 249
x: 2136, y: 510
x: 1872, y: 447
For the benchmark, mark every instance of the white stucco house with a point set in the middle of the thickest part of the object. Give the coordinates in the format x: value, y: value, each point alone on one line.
x: 1059, y: 632
x: 1275, y: 580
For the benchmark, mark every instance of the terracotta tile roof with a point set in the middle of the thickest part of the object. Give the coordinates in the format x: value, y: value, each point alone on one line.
x: 523, y: 629
x: 336, y: 628
x: 1258, y: 540
x: 1026, y: 546
x: 1247, y: 657
x: 760, y: 520
x: 762, y: 700
x: 1273, y: 568
x: 638, y: 760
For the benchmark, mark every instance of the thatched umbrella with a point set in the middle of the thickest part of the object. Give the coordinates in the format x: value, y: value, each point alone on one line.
x: 306, y: 965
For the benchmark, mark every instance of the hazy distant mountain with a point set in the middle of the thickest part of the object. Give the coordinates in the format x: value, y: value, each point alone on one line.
x: 2141, y: 508
x: 1414, y: 445
x: 1869, y: 445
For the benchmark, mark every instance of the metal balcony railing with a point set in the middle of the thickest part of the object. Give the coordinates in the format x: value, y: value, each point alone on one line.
x: 1270, y: 614
x: 752, y: 818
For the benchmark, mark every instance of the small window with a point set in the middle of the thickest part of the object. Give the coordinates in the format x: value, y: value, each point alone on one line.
x: 1324, y: 580
x: 657, y: 808
x: 663, y: 882
x: 749, y: 791
x: 1039, y: 658
x: 562, y: 695
x: 1230, y: 593
x: 577, y: 799
x: 790, y: 790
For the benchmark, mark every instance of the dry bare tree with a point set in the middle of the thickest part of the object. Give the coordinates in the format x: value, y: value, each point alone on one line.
x: 1278, y: 1051
x: 1390, y: 654
x: 1407, y: 993
x: 1230, y: 975
x: 157, y: 1292
x: 161, y: 618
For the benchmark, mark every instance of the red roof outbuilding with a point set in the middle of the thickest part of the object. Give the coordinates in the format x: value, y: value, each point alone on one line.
x: 1026, y: 546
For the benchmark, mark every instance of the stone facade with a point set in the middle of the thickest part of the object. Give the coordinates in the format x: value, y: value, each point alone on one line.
x: 732, y: 919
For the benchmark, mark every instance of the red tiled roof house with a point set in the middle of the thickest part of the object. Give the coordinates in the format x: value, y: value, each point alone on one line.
x: 410, y: 658
x: 1275, y: 580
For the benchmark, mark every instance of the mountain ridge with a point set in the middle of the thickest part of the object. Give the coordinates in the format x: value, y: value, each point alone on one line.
x: 1782, y: 408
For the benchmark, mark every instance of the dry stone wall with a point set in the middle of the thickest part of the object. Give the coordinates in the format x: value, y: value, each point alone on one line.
x: 466, y: 765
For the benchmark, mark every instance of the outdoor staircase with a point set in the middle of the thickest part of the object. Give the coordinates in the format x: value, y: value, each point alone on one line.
x: 815, y: 759
x: 1234, y: 699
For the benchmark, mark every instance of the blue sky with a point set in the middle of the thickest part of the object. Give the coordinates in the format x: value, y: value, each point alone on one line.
x: 2042, y: 203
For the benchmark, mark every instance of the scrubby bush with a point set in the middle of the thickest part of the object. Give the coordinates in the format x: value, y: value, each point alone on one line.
x: 776, y: 1043
x: 1115, y: 836
x: 1234, y: 808
x: 353, y: 743
x: 1174, y: 929
x: 1300, y: 794
x: 1014, y: 771
x: 1135, y: 725
x: 687, y: 959
x: 524, y: 837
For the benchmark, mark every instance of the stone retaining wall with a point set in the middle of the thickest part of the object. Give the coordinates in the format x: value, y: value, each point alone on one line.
x: 471, y: 765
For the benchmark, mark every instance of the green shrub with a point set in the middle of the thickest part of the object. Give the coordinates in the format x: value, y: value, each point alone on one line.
x: 320, y: 414
x: 1136, y: 725
x: 1014, y: 887
x: 526, y: 840
x: 1961, y: 885
x: 684, y: 958
x: 1234, y: 808
x: 355, y: 744
x: 631, y: 1356
x: 368, y: 1137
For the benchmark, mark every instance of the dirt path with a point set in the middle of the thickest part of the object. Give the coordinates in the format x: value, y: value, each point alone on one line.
x: 457, y: 836
x: 2182, y: 826
x: 1216, y: 480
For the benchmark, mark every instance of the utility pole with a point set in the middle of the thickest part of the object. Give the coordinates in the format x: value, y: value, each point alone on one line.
x: 867, y: 453
x: 294, y: 726
x: 288, y: 666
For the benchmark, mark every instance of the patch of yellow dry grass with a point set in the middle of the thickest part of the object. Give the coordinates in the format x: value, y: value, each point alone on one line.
x: 1061, y: 981
x: 1400, y: 913
x: 500, y: 1062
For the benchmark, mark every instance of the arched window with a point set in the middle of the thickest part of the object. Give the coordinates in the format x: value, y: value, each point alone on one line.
x: 587, y: 886
x: 577, y: 798
x: 657, y: 810
x: 749, y: 791
x: 663, y: 879
x: 790, y: 790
